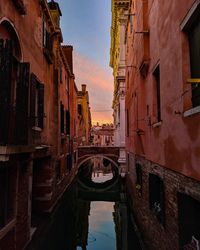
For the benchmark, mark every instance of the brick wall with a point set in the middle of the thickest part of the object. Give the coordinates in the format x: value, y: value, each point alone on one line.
x: 156, y: 235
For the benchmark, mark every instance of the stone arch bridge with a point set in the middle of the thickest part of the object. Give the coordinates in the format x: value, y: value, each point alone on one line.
x: 109, y: 190
x: 88, y: 152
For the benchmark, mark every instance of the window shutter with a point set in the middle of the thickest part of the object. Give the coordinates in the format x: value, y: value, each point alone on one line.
x: 62, y: 118
x: 22, y: 97
x: 32, y: 100
x: 69, y: 162
x: 67, y: 122
x: 41, y: 106
x: 5, y: 88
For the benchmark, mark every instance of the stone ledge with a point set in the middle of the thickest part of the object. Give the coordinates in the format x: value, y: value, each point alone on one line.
x: 157, y: 124
x: 7, y: 228
x: 191, y: 112
x: 7, y: 150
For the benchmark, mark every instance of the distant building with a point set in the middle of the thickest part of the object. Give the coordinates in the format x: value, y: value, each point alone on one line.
x: 84, y: 117
x: 163, y: 121
x: 37, y: 116
x: 102, y: 135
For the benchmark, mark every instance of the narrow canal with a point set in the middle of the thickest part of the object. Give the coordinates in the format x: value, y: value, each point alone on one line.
x: 86, y: 224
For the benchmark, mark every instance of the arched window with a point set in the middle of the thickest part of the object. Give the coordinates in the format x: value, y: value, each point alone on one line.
x: 14, y: 88
x: 8, y: 32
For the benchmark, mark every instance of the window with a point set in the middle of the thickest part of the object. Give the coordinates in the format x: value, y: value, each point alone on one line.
x: 7, y: 193
x: 62, y: 125
x: 194, y: 44
x: 37, y: 103
x: 156, y: 75
x: 67, y: 122
x: 22, y: 104
x: 156, y: 197
x: 79, y: 109
x: 6, y: 86
x: 47, y: 43
x: 69, y: 162
x: 139, y: 178
x: 191, y: 25
x: 189, y: 222
x: 14, y: 96
x: 61, y: 72
x: 58, y: 170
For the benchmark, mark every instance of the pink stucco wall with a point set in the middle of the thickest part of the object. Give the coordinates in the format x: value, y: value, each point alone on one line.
x: 175, y: 143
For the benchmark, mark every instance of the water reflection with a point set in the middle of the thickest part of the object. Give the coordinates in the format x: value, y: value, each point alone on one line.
x: 101, y: 227
x: 99, y: 177
x: 102, y: 170
x: 78, y: 224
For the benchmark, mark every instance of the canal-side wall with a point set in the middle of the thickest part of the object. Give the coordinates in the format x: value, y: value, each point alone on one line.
x: 37, y: 147
x: 179, y: 197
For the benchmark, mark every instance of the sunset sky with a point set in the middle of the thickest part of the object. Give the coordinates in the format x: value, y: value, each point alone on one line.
x: 86, y: 26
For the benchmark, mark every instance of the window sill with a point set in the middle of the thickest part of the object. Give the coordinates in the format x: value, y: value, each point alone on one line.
x: 7, y: 228
x: 36, y: 129
x: 192, y: 111
x: 157, y: 124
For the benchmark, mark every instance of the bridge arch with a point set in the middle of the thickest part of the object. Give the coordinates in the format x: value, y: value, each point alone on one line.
x: 108, y: 189
x: 88, y: 152
x: 86, y: 158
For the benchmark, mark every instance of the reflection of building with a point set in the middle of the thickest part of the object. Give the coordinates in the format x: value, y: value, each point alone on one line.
x: 35, y: 84
x: 83, y: 223
x: 84, y: 116
x: 102, y: 135
x: 97, y: 164
x: 163, y: 121
x: 117, y: 62
x: 102, y: 165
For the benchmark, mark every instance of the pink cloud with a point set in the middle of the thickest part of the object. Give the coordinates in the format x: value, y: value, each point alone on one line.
x: 99, y: 83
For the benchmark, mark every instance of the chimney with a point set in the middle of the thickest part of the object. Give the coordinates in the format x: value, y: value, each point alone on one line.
x: 68, y: 51
x: 83, y: 88
x: 55, y: 12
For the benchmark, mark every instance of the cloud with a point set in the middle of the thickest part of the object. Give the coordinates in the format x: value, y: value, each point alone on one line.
x: 99, y: 83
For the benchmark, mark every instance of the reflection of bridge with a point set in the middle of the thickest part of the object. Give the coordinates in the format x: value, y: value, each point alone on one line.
x: 109, y: 190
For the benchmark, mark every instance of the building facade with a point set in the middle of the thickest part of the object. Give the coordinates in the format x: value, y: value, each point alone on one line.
x: 117, y: 62
x: 84, y: 117
x: 36, y: 91
x: 163, y: 122
x: 102, y: 135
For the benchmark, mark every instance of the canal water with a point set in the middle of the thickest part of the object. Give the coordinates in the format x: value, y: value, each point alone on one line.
x: 101, y: 233
x: 79, y: 224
